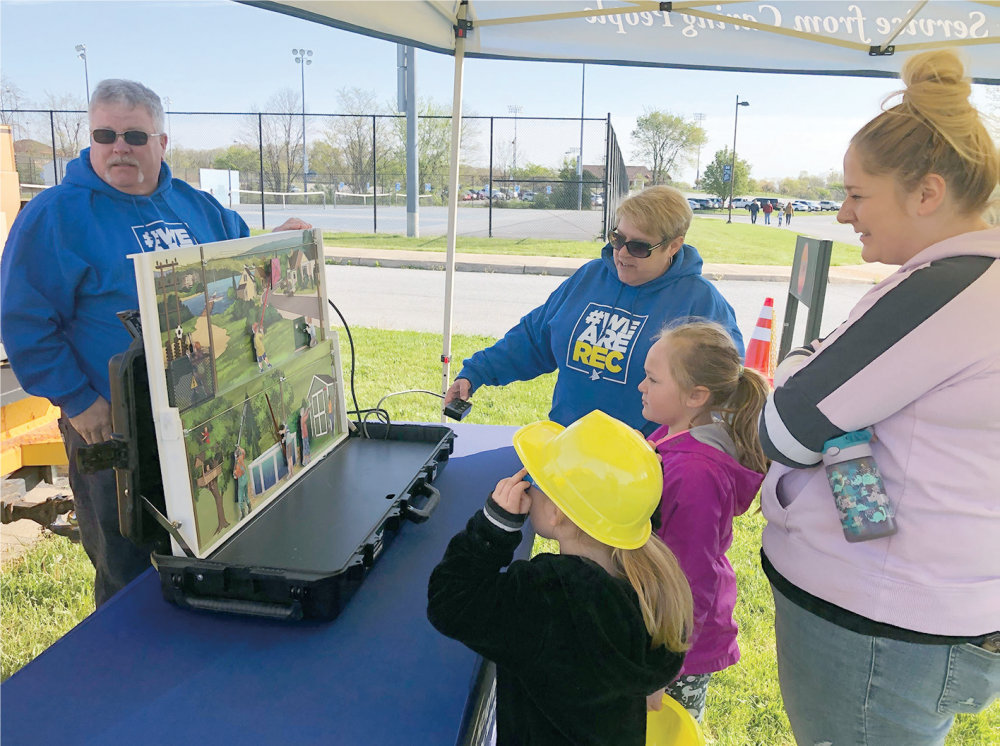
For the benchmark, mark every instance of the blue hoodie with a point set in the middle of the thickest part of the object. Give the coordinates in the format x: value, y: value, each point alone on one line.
x: 596, y: 330
x: 65, y: 275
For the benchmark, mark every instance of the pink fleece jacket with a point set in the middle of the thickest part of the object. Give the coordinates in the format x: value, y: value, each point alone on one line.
x: 918, y: 360
x: 704, y: 488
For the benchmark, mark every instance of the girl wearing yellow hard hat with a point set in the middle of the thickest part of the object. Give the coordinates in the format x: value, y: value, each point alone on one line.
x: 580, y: 639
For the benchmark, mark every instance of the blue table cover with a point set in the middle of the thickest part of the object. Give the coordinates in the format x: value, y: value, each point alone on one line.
x: 142, y: 671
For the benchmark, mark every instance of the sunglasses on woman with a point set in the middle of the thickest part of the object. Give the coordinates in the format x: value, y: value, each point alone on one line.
x: 638, y: 249
x: 135, y: 138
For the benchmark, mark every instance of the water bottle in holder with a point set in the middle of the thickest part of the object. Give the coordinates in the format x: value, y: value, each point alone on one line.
x: 858, y: 489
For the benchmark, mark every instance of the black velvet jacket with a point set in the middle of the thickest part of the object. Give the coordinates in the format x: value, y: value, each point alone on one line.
x: 574, y: 662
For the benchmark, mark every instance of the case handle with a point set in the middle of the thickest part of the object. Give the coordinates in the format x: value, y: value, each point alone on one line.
x: 236, y: 606
x: 419, y: 515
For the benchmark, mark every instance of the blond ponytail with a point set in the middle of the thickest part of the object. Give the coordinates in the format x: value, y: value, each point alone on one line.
x: 703, y: 354
x: 664, y: 593
x: 935, y: 129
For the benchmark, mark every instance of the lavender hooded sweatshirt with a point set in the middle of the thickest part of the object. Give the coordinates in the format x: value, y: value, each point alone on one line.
x: 704, y: 488
x: 918, y: 360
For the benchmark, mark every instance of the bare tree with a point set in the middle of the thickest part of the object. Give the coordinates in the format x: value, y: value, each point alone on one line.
x: 70, y: 122
x: 280, y: 132
x: 12, y: 98
x: 352, y: 134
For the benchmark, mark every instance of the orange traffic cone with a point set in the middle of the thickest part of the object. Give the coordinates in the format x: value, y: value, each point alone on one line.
x: 761, y: 343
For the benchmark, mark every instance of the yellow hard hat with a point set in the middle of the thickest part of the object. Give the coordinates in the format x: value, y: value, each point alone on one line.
x: 600, y: 472
x: 672, y: 726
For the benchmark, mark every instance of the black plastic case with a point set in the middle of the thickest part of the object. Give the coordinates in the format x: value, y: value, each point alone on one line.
x: 305, y: 553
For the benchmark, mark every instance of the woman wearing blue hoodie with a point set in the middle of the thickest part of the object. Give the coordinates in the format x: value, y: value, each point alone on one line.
x: 597, y: 327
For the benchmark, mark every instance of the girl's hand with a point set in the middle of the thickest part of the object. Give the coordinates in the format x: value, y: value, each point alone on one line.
x: 655, y: 700
x: 511, y: 493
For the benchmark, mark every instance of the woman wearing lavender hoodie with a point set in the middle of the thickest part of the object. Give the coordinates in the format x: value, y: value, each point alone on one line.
x: 885, y: 641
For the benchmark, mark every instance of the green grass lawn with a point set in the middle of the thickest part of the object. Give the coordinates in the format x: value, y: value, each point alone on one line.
x: 46, y: 593
x: 716, y: 241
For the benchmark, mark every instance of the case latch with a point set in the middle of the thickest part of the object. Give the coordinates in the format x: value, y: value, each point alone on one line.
x: 111, y: 454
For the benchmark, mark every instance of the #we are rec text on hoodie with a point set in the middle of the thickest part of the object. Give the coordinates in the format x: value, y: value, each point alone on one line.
x: 596, y: 330
x: 65, y: 275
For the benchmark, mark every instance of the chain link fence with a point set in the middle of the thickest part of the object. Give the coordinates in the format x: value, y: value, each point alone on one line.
x: 520, y: 177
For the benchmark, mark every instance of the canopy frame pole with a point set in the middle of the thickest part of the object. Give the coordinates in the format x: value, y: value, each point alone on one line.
x: 902, y: 25
x: 461, y: 32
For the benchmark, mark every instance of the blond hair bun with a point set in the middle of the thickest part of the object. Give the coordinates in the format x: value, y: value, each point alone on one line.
x: 935, y: 129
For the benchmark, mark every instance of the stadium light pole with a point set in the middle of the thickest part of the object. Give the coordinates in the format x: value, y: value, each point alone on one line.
x: 300, y: 57
x: 732, y: 174
x: 514, y: 109
x: 81, y: 52
x: 698, y: 118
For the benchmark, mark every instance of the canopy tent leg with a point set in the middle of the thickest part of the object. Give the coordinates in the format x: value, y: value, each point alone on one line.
x: 456, y: 141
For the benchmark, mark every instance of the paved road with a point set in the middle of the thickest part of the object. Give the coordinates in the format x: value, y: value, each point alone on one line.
x: 490, y: 304
x: 474, y: 221
x: 820, y: 225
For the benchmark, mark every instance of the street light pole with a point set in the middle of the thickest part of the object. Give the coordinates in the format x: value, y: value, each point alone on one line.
x: 170, y: 137
x: 698, y: 118
x: 579, y: 160
x: 515, y: 109
x: 81, y: 52
x: 300, y: 57
x: 732, y: 173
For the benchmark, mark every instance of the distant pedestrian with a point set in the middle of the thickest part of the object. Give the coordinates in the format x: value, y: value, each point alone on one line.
x: 768, y: 209
x: 789, y: 211
x: 754, y: 209
x: 781, y: 214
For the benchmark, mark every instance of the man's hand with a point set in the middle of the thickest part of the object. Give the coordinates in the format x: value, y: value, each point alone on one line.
x: 94, y: 423
x: 512, y: 495
x: 655, y: 700
x: 461, y: 389
x: 293, y: 224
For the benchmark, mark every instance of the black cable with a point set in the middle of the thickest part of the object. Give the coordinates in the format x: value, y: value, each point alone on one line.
x: 362, y: 414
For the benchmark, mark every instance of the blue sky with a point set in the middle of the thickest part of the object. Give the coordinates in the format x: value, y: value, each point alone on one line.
x: 221, y: 56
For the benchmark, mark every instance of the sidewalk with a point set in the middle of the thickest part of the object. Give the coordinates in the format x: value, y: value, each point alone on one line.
x: 865, y: 274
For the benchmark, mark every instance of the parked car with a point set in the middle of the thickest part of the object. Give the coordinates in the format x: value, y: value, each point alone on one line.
x: 694, y: 204
x: 772, y: 200
x: 829, y: 204
x: 471, y: 195
x: 742, y: 202
x: 597, y: 200
x: 801, y: 205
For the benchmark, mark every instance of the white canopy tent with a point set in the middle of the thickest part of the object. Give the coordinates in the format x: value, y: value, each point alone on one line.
x: 867, y: 38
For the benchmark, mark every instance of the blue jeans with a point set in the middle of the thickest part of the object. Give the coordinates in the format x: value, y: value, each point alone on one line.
x: 847, y: 689
x: 117, y: 561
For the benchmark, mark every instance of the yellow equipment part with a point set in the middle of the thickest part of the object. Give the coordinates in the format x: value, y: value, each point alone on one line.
x: 29, y: 435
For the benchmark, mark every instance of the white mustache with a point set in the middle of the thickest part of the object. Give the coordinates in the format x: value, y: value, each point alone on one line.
x: 123, y: 160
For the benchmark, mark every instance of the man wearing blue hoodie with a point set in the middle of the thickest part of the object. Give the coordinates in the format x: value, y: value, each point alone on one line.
x: 597, y: 327
x: 66, y: 274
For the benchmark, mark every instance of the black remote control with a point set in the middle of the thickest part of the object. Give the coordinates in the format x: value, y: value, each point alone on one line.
x: 458, y: 409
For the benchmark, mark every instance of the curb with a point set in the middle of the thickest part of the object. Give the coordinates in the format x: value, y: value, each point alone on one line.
x: 564, y: 267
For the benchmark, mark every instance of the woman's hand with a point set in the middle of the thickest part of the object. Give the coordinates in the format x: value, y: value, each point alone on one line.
x: 511, y: 494
x: 461, y: 389
x: 655, y: 700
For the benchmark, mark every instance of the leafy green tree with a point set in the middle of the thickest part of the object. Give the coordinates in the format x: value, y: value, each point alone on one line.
x: 712, y: 180
x: 240, y: 158
x: 566, y: 194
x: 664, y: 140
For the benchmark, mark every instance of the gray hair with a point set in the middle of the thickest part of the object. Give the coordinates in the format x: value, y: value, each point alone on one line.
x: 131, y: 94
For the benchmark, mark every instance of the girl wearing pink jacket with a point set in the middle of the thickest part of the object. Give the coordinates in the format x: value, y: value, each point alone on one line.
x: 707, y: 405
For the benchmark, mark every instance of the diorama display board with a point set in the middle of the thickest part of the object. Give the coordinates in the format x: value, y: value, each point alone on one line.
x: 244, y: 374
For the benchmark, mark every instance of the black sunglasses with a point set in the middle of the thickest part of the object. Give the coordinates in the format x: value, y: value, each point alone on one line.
x: 135, y: 138
x: 638, y: 249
